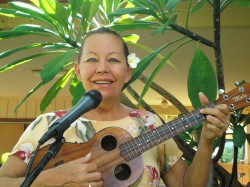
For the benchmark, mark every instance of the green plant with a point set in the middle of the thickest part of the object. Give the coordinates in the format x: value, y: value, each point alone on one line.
x: 64, y: 25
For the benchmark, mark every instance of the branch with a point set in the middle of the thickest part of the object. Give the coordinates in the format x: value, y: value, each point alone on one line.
x: 219, y: 66
x: 191, y: 35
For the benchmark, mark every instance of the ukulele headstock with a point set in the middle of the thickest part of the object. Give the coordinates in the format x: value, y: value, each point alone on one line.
x: 237, y: 98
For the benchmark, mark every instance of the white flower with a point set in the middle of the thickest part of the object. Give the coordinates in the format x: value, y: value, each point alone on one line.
x: 150, y: 120
x: 133, y: 60
x: 133, y: 128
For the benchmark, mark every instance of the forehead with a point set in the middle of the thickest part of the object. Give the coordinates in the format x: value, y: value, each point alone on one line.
x: 102, y: 40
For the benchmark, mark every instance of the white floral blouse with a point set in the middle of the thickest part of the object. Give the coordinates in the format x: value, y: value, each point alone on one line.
x: 156, y: 160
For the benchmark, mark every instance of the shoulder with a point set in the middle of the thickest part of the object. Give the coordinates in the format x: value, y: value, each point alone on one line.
x: 47, y: 118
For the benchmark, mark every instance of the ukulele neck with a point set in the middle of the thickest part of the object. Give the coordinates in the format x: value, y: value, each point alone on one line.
x: 152, y: 138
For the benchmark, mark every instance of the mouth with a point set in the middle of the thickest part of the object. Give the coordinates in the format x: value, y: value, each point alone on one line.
x: 103, y: 82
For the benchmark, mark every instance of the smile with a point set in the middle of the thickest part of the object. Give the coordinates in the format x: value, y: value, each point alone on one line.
x: 102, y: 82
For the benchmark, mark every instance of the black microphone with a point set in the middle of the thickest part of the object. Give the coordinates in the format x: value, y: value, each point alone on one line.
x: 90, y: 101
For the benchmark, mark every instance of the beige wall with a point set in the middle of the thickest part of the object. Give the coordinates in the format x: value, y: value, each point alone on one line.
x: 9, y: 134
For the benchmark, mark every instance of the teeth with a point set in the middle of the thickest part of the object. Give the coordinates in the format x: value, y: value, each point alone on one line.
x: 102, y: 82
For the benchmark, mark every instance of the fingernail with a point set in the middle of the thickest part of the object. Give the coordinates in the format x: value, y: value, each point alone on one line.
x: 88, y: 155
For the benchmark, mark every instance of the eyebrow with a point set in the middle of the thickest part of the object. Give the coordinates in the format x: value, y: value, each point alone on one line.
x: 92, y: 52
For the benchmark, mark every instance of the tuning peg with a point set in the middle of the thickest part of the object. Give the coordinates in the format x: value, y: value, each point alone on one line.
x: 248, y: 100
x: 236, y: 83
x: 235, y: 114
x: 241, y: 89
x: 221, y: 91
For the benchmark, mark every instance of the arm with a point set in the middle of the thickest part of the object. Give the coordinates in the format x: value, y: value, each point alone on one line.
x: 79, y: 171
x: 197, y: 174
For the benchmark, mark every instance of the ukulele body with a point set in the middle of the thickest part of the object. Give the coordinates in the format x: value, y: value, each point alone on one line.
x: 105, y: 152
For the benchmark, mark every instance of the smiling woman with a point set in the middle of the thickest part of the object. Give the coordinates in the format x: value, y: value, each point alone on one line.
x: 116, y: 141
x: 67, y: 23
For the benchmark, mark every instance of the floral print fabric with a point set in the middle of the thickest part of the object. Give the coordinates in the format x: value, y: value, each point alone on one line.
x: 156, y: 160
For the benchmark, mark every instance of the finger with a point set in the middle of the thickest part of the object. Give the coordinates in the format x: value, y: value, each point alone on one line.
x: 95, y: 184
x: 95, y: 176
x: 84, y: 159
x: 216, y: 116
x: 218, y: 120
x: 215, y: 131
x: 203, y: 98
x: 223, y: 108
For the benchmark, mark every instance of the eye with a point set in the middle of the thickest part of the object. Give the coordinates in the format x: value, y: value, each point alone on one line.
x: 114, y: 60
x: 91, y: 60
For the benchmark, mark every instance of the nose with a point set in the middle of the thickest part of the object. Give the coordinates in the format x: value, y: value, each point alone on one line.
x: 102, y: 67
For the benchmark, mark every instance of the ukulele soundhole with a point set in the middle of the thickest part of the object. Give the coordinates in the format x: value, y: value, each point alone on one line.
x: 109, y: 143
x: 122, y: 172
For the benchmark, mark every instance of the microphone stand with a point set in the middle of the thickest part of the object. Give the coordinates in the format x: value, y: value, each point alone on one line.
x: 51, y: 152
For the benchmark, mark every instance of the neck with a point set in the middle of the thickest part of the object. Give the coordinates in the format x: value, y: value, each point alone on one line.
x: 108, y: 112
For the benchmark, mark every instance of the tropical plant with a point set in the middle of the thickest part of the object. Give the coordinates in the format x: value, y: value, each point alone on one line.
x: 239, y: 122
x: 65, y: 25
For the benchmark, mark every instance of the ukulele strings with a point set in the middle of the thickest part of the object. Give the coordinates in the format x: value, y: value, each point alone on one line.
x: 139, y: 142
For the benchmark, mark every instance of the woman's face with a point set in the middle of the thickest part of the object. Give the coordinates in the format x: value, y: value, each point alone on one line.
x: 103, y: 65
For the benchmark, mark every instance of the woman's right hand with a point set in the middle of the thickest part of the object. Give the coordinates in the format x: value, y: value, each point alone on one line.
x: 79, y: 172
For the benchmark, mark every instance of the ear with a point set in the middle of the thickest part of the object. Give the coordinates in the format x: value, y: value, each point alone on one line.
x: 77, y: 70
x: 129, y: 74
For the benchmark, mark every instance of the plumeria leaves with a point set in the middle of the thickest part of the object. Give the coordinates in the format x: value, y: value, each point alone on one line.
x: 201, y: 78
x: 239, y: 136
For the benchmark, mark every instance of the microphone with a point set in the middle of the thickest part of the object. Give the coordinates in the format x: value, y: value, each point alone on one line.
x: 91, y: 100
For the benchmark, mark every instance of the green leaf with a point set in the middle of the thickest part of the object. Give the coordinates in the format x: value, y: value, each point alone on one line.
x: 198, y: 5
x: 239, y: 136
x: 248, y: 138
x: 58, y: 46
x: 15, y: 50
x: 132, y: 11
x: 133, y: 38
x: 29, y: 94
x: 33, y: 12
x: 34, y: 29
x: 76, y: 89
x: 53, y: 91
x: 88, y: 10
x: 158, y: 68
x: 201, y: 78
x: 144, y: 63
x: 247, y: 121
x: 75, y: 6
x: 145, y: 3
x: 242, y: 3
x: 55, y: 10
x: 54, y: 66
x: 135, y: 24
x: 110, y: 5
x: 22, y: 61
x: 13, y: 13
x: 161, y: 3
x: 171, y: 4
x: 165, y: 26
x: 12, y: 34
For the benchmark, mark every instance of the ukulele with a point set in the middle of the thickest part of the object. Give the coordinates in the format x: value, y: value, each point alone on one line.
x: 117, y: 154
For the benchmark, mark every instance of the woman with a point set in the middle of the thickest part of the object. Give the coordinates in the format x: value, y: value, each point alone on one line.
x: 103, y: 66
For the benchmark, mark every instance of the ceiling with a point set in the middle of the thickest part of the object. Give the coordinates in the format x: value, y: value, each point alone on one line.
x: 235, y: 45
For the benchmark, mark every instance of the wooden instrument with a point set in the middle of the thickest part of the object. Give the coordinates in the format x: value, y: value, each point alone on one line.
x: 117, y: 154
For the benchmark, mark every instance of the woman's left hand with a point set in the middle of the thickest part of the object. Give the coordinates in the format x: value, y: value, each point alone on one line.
x: 217, y: 120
